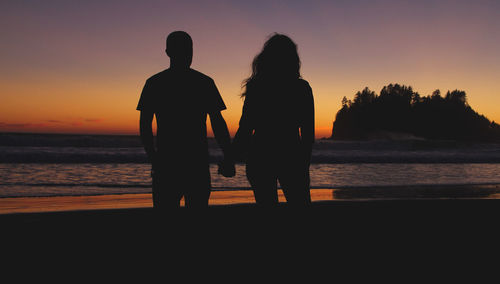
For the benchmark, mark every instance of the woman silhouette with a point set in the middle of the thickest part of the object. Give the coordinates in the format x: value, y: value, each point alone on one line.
x: 276, y: 129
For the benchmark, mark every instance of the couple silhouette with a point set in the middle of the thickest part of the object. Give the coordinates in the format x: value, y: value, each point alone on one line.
x: 274, y: 138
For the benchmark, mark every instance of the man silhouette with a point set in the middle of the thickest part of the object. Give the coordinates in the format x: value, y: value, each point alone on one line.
x: 181, y: 98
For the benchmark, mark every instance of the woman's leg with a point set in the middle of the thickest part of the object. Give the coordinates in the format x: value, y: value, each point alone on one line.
x: 294, y: 181
x: 264, y: 184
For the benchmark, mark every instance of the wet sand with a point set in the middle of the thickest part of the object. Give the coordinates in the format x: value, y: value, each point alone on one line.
x: 125, y: 201
x: 415, y: 205
x: 344, y: 222
x: 245, y: 198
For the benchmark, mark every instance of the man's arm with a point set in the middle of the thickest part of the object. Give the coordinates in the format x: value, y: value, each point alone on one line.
x: 221, y: 133
x: 146, y: 131
x: 223, y: 138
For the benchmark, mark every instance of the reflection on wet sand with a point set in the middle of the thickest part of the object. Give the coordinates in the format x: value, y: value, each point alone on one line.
x: 231, y: 197
x: 419, y: 191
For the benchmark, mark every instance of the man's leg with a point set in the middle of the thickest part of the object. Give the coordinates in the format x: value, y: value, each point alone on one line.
x: 197, y: 199
x: 166, y: 193
x: 197, y: 189
x: 156, y: 190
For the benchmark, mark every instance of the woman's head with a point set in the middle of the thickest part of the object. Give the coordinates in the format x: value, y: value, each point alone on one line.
x: 278, y: 59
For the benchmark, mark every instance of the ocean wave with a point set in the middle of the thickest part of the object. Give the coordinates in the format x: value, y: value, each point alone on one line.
x: 137, y: 155
x: 338, y: 192
x: 105, y: 185
x: 71, y: 155
x: 236, y: 188
x: 69, y: 140
x: 127, y: 149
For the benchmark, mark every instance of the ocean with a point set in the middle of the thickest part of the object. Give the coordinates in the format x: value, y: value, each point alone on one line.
x: 70, y: 165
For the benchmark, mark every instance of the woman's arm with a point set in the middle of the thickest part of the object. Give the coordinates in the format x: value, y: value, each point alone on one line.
x: 307, y: 126
x: 244, y: 132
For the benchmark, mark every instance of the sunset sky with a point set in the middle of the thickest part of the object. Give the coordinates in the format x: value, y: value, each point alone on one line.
x: 79, y: 66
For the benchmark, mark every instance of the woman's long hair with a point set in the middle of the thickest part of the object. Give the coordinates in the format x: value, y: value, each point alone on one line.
x: 278, y: 60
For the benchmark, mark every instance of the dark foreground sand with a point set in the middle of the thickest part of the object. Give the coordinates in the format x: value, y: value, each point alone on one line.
x: 413, y: 233
x: 404, y: 234
x: 414, y: 206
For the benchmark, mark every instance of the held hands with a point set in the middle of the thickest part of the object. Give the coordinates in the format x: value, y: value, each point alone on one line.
x: 226, y: 168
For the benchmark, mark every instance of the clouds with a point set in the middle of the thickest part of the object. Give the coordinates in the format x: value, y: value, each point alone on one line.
x: 49, y: 124
x: 21, y: 125
x: 93, y: 120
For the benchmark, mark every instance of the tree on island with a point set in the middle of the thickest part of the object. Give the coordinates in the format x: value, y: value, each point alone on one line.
x: 399, y: 109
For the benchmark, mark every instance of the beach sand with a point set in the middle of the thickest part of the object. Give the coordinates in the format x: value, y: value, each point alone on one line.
x: 349, y: 224
x: 361, y: 207
x: 126, y: 201
x: 245, y: 197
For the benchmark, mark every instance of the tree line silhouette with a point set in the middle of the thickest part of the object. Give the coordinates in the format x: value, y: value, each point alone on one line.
x: 399, y: 109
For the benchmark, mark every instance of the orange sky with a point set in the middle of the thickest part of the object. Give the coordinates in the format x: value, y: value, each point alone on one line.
x: 79, y: 67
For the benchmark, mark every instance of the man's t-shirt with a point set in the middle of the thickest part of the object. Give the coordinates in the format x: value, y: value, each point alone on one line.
x: 181, y: 100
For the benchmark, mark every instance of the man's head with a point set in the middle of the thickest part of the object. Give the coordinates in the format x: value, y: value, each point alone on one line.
x: 180, y: 49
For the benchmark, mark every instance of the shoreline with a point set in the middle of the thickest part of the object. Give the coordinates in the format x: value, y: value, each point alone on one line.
x: 351, y: 221
x: 237, y: 220
x: 234, y: 198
